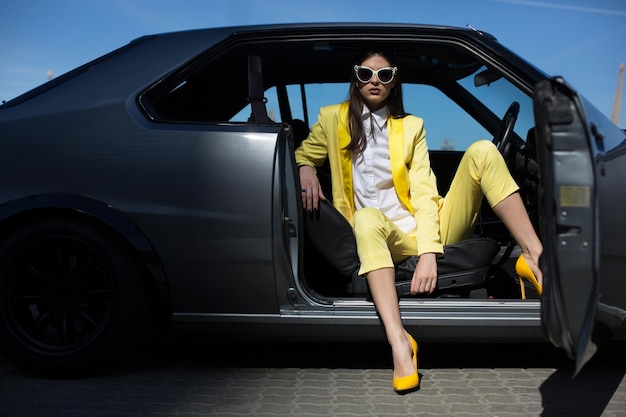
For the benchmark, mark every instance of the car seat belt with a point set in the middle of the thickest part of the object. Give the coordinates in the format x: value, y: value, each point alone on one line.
x: 255, y: 91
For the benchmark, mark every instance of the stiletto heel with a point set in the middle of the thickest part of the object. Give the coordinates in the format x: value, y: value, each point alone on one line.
x: 523, y: 272
x: 405, y: 384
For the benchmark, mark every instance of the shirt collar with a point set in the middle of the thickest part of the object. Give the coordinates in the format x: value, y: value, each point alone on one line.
x: 380, y: 116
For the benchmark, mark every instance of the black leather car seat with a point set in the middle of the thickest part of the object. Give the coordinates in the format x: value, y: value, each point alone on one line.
x: 300, y: 131
x: 464, y: 266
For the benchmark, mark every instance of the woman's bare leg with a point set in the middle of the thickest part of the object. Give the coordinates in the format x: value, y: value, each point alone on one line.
x: 383, y: 288
x: 512, y: 212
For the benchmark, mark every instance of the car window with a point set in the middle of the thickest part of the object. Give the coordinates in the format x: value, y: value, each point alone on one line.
x: 448, y: 126
x: 447, y: 97
x: 271, y: 105
x: 498, y: 96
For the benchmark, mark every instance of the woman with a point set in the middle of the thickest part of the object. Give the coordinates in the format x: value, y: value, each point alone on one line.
x: 383, y: 185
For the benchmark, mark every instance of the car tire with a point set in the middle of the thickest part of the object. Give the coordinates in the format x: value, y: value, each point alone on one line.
x: 71, y: 297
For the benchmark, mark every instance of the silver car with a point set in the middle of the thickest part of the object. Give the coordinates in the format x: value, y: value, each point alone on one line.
x: 156, y: 188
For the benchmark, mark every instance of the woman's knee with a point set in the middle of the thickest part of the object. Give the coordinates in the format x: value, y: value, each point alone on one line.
x: 484, y: 156
x: 482, y: 148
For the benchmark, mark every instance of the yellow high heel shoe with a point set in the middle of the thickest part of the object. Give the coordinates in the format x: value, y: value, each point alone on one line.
x: 523, y: 272
x: 405, y: 384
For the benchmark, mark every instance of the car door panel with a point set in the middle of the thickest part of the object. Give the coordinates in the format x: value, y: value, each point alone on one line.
x: 569, y: 223
x: 210, y: 211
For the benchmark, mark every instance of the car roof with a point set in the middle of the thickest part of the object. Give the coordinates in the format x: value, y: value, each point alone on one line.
x: 306, y: 53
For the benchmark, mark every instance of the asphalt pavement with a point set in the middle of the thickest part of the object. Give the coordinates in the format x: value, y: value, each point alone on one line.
x: 190, y: 376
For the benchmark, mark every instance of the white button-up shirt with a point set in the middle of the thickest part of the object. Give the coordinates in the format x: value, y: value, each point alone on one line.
x: 371, y: 172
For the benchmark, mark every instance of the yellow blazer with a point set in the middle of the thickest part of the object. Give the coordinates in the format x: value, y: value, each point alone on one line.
x: 414, y: 181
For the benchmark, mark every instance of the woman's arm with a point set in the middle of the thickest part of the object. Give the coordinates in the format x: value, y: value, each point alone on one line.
x: 424, y: 197
x: 425, y: 201
x: 311, y: 153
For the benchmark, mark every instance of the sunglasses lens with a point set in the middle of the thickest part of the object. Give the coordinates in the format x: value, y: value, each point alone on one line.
x: 364, y: 74
x: 385, y: 75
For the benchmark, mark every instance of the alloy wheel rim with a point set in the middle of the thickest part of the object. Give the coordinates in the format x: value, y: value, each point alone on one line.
x: 59, y: 294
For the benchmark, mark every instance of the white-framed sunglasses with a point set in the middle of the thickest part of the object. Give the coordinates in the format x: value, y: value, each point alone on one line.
x: 384, y: 75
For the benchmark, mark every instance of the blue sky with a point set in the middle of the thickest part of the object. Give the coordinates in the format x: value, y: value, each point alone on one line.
x: 582, y: 40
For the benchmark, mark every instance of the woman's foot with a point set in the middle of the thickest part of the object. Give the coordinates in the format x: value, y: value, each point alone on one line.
x: 406, y: 378
x: 403, y: 358
x: 532, y: 260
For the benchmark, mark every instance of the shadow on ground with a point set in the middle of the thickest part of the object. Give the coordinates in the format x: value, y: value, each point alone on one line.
x: 589, y: 393
x: 562, y: 395
x: 365, y: 355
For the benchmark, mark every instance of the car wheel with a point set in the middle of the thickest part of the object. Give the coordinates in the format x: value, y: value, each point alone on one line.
x: 71, y: 296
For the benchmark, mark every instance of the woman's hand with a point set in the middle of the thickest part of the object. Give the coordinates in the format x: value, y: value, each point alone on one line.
x: 311, y: 189
x: 425, y: 274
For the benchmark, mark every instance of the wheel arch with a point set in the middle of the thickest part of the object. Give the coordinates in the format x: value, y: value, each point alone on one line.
x: 35, y: 207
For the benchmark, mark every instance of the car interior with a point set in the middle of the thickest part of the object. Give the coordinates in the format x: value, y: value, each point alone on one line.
x: 461, y: 97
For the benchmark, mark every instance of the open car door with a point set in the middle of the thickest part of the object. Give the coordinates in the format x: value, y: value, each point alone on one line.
x: 570, y: 305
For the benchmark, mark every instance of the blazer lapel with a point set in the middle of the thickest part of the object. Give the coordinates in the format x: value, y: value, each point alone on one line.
x: 396, y: 157
x: 343, y: 198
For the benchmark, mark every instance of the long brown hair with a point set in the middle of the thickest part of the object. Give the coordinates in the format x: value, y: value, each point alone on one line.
x: 394, y: 102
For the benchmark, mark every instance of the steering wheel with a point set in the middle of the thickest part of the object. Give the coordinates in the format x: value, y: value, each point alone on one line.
x: 505, y: 129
